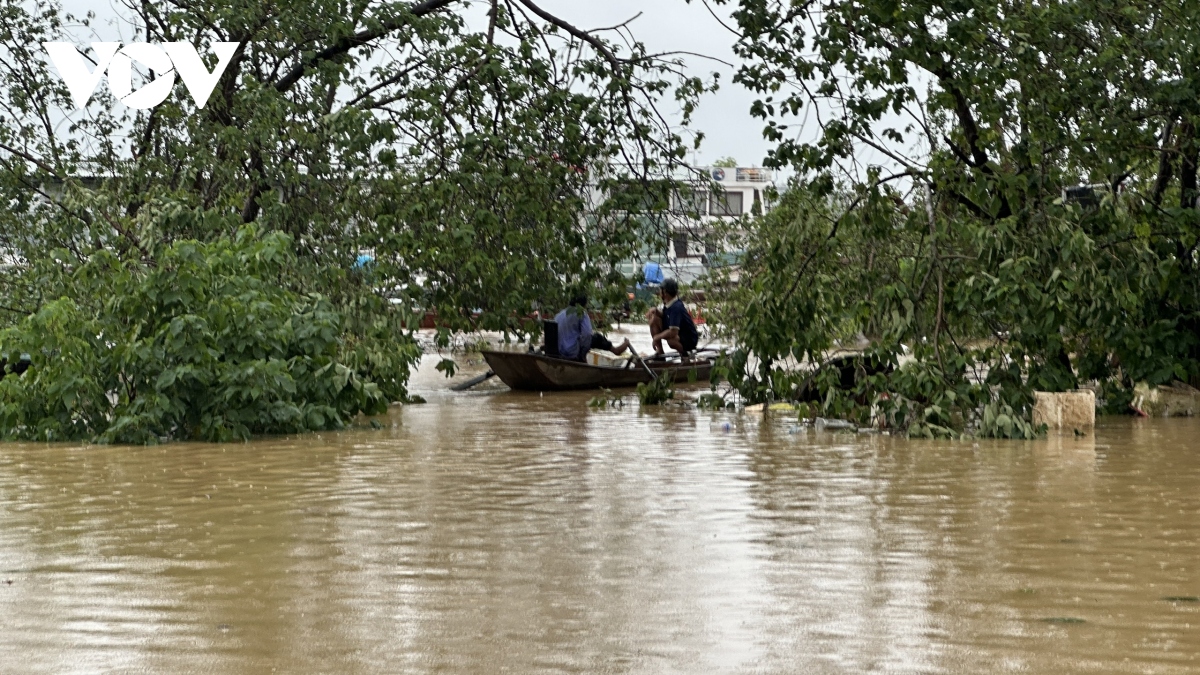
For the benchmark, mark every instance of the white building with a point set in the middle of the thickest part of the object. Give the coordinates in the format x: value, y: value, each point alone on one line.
x: 696, y: 220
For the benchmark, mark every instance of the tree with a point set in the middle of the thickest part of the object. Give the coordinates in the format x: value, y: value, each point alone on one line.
x: 944, y: 143
x: 461, y: 145
x: 206, y: 345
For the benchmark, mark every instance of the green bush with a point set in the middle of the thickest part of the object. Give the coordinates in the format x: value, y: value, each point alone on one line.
x: 202, y: 343
x: 657, y: 391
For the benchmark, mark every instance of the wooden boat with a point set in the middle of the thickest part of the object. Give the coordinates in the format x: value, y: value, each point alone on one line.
x: 535, y: 371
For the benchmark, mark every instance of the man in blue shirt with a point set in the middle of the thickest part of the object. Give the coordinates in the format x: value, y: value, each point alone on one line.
x: 575, y: 334
x: 672, y: 323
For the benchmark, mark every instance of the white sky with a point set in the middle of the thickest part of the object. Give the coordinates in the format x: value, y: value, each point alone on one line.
x: 664, y: 25
x: 674, y: 25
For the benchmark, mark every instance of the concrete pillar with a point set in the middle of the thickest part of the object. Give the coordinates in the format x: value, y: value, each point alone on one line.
x: 1074, y: 410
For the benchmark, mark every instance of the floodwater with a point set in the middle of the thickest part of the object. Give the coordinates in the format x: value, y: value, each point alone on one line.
x: 493, y: 532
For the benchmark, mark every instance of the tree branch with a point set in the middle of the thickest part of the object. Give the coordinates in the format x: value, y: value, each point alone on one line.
x: 834, y: 229
x: 345, y: 44
x: 1164, y: 165
x: 579, y: 33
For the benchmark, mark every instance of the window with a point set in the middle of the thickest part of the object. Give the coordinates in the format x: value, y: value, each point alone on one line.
x: 726, y: 204
x: 690, y: 202
x: 679, y: 242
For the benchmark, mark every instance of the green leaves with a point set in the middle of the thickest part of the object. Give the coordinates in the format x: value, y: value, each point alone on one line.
x: 461, y: 157
x: 159, y: 356
x: 656, y: 392
x: 447, y: 366
x: 1040, y: 226
x: 999, y: 421
x: 59, y: 400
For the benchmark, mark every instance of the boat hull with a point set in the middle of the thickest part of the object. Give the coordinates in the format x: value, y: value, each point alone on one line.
x: 530, y: 371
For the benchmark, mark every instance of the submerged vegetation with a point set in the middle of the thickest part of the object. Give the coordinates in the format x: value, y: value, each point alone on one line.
x: 656, y: 391
x: 207, y: 344
x: 994, y: 197
x: 189, y: 272
x: 1027, y: 218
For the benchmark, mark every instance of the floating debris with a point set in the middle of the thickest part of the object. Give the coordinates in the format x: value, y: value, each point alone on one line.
x: 1063, y: 619
x: 772, y: 407
x: 834, y: 424
x: 1181, y: 598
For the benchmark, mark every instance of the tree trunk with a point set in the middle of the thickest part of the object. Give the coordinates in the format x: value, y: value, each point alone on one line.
x: 1188, y: 150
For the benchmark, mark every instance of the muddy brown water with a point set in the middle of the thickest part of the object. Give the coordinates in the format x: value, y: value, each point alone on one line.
x: 493, y: 532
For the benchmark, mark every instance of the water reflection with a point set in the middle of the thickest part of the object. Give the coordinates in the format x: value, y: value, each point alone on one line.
x: 492, y: 532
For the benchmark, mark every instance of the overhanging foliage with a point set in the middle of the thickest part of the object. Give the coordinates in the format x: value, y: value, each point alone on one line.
x: 461, y: 145
x: 934, y: 145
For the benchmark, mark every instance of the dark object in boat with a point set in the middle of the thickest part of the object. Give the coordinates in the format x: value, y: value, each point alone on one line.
x: 533, y: 371
x: 550, y: 337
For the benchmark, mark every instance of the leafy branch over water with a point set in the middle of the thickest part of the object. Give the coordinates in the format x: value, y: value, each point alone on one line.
x: 1000, y: 197
x: 205, y: 345
x: 455, y: 145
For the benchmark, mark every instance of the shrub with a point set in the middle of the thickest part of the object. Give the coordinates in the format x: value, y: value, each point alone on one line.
x: 203, y: 343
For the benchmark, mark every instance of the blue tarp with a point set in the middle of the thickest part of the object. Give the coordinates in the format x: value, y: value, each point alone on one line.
x: 653, y: 273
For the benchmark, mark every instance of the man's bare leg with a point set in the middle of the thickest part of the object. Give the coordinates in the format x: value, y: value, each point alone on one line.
x: 656, y: 326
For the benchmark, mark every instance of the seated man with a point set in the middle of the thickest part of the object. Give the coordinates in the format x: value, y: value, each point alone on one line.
x: 672, y: 322
x: 575, y: 334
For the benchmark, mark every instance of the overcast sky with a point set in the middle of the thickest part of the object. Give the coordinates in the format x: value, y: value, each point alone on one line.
x: 663, y: 25
x: 674, y: 25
